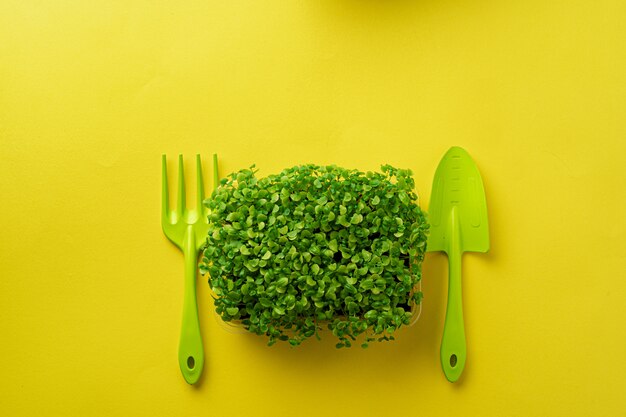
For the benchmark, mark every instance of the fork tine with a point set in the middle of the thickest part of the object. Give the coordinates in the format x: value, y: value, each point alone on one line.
x: 216, y: 178
x: 200, y: 184
x: 165, y: 195
x: 180, y: 207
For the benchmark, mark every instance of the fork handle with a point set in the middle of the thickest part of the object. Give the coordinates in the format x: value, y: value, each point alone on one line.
x: 190, y: 350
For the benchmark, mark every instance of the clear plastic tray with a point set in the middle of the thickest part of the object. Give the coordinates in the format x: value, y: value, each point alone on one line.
x: 235, y: 326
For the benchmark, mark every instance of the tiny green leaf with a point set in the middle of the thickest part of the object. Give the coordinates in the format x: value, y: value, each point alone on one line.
x: 356, y: 219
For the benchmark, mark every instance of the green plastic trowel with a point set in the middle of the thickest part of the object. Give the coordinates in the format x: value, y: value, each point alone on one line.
x: 458, y: 215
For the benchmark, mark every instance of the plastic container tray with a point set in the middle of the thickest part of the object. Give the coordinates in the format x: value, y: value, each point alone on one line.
x: 236, y: 327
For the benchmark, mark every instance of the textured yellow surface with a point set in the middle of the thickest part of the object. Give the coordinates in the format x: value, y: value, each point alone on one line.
x: 92, y: 93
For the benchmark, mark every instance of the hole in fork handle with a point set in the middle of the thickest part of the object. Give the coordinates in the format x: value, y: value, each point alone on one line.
x: 453, y: 360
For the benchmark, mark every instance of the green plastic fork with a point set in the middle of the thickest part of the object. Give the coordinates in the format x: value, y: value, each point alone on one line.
x: 187, y: 229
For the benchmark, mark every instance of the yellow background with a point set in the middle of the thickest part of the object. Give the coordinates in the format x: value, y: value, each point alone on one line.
x: 92, y: 93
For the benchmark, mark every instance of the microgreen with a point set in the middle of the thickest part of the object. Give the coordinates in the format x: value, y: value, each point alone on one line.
x: 313, y: 246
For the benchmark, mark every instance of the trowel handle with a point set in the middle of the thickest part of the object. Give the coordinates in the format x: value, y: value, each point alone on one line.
x: 453, y: 347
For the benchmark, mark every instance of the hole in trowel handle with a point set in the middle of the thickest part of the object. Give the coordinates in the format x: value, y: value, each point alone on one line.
x: 453, y: 360
x: 191, y: 362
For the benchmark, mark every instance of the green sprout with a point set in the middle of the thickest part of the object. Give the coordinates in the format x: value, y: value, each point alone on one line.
x: 313, y: 246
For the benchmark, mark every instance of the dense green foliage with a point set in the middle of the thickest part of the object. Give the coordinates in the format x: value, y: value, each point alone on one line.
x: 316, y: 244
